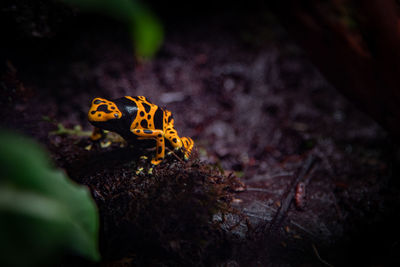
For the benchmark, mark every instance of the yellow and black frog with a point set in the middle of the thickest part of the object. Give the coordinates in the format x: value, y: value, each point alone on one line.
x: 136, y: 118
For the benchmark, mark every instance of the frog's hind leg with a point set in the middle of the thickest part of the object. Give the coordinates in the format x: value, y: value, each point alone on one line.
x: 172, y: 136
x: 185, y: 143
x: 188, y: 146
x: 160, y: 147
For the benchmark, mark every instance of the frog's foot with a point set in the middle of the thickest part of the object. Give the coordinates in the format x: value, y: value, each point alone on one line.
x: 154, y: 163
x: 150, y: 171
x: 139, y: 171
x: 97, y: 134
x: 144, y: 166
x: 96, y: 137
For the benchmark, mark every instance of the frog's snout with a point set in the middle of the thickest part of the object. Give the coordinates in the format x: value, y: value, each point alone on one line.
x: 103, y: 110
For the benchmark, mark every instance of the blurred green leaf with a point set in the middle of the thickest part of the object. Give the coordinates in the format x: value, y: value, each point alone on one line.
x: 145, y: 29
x: 147, y: 34
x: 43, y: 214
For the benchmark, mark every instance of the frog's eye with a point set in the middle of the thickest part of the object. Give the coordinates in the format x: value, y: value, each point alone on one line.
x: 116, y: 115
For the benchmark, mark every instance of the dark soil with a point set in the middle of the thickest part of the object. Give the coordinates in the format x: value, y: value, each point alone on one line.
x: 255, y: 107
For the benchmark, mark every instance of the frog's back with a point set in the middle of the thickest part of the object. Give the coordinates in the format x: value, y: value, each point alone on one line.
x: 146, y: 115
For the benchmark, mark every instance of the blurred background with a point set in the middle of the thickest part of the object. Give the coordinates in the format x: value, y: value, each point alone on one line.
x: 259, y: 85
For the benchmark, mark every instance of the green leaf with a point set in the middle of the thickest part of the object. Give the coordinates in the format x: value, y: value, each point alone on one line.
x: 147, y: 33
x: 43, y: 214
x: 145, y: 29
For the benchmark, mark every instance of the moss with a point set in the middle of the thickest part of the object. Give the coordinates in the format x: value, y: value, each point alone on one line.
x: 172, y: 217
x: 168, y: 217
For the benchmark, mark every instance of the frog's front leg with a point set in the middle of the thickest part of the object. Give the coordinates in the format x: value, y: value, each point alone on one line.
x: 158, y: 135
x: 97, y: 134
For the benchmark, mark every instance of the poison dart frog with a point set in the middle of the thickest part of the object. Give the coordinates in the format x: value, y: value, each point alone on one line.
x: 136, y: 118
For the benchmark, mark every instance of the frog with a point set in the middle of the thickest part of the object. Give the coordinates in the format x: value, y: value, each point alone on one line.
x: 137, y: 119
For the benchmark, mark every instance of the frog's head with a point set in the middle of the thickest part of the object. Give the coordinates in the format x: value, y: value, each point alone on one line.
x: 103, y: 111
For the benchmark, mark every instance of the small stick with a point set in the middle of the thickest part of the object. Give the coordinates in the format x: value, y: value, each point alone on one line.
x: 319, y: 257
x: 302, y: 228
x: 173, y: 153
x: 283, y: 209
x: 256, y: 189
x: 255, y: 216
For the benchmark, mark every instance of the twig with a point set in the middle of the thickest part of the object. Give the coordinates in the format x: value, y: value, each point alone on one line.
x: 279, y: 174
x: 256, y: 189
x: 173, y: 153
x: 267, y: 217
x: 319, y: 257
x: 302, y: 228
x: 77, y: 130
x: 255, y: 216
x: 272, y: 176
x: 266, y: 206
x: 283, y: 209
